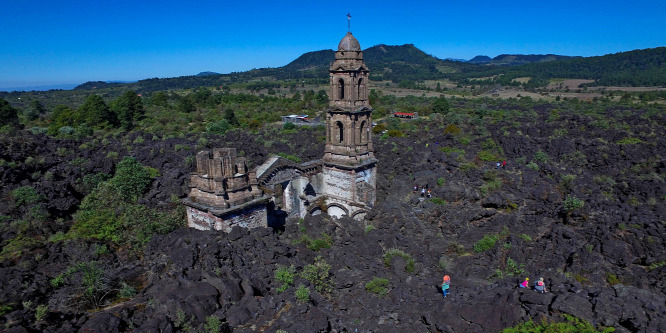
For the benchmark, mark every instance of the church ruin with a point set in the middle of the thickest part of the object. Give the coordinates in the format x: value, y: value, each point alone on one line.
x: 224, y: 193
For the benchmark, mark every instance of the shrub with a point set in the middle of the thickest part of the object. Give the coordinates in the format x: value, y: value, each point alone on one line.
x: 525, y: 237
x: 395, y: 133
x: 219, y: 127
x: 212, y: 324
x: 289, y: 126
x: 98, y: 218
x: 302, y: 293
x: 572, y: 203
x: 390, y: 253
x: 438, y: 201
x: 58, y: 281
x: 319, y: 275
x: 377, y: 286
x: 26, y: 195
x: 440, y: 181
x: 292, y: 158
x: 285, y: 275
x: 488, y: 156
x: 486, y: 243
x: 533, y: 166
x: 572, y: 325
x: 131, y: 179
x: 612, y: 279
x: 452, y: 150
x: 40, y: 312
x: 567, y: 182
x: 656, y: 265
x: 315, y: 244
x: 453, y: 129
x: 540, y: 156
x: 126, y: 291
x: 629, y: 141
x: 66, y: 130
x: 443, y: 263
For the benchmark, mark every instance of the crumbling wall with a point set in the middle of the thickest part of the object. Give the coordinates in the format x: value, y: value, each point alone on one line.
x: 251, y: 217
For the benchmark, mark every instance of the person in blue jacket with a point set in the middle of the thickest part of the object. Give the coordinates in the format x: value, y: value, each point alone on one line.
x: 445, y: 285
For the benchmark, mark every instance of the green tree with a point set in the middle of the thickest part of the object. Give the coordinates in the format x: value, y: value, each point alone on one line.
x: 35, y: 110
x: 128, y: 109
x: 322, y: 97
x: 95, y: 113
x: 230, y: 117
x: 219, y: 127
x: 159, y: 99
x: 441, y: 105
x: 8, y: 114
x: 61, y: 116
x: 186, y: 105
x: 131, y: 179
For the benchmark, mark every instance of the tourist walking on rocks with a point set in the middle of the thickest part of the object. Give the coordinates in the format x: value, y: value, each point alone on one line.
x: 503, y: 164
x: 525, y: 284
x: 445, y: 285
x: 416, y: 188
x: 423, y: 192
x: 540, y: 286
x: 428, y: 194
x: 498, y: 165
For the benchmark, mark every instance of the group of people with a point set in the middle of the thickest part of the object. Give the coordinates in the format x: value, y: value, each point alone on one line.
x: 425, y: 191
x: 539, y: 286
x: 501, y: 164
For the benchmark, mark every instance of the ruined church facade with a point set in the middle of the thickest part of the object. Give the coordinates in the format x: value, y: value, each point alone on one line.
x: 224, y: 193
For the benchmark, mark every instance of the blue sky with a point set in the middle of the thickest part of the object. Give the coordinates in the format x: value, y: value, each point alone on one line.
x: 57, y: 41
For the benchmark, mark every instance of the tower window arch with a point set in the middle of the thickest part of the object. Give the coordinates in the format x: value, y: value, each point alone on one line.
x: 339, y: 132
x: 359, y: 94
x: 363, y: 136
x: 341, y: 89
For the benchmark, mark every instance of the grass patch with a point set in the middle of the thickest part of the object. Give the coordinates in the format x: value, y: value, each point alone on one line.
x: 377, y: 286
x: 315, y: 244
x: 572, y: 325
x: 438, y: 201
x: 390, y: 253
x: 629, y: 141
x: 485, y: 243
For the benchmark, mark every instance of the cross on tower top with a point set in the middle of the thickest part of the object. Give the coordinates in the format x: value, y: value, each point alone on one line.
x: 348, y: 22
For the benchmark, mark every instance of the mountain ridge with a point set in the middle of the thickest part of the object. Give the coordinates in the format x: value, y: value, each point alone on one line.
x: 406, y: 62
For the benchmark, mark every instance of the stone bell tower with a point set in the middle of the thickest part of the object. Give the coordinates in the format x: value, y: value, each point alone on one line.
x: 349, y: 160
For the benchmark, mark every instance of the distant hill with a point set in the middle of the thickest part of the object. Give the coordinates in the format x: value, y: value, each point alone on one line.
x: 400, y: 63
x: 518, y: 59
x: 645, y: 67
x: 207, y: 74
x: 480, y: 59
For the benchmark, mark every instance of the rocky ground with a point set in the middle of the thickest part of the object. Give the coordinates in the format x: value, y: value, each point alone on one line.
x: 602, y: 262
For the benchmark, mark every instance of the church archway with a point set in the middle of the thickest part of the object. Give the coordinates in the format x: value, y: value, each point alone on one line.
x: 336, y: 211
x: 341, y: 89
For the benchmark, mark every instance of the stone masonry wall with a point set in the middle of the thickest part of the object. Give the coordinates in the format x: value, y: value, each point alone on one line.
x: 253, y: 217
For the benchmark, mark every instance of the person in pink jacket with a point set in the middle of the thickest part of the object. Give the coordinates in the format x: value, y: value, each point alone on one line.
x: 525, y: 284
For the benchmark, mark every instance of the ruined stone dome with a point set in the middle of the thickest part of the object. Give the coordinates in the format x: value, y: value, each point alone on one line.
x: 349, y: 43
